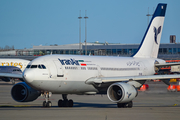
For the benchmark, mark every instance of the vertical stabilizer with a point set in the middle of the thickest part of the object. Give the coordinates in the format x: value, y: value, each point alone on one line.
x: 150, y: 43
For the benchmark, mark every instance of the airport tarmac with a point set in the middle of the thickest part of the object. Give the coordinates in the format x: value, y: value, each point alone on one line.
x: 156, y: 103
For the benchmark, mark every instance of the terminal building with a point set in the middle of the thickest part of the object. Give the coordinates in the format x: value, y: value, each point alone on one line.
x: 167, y: 51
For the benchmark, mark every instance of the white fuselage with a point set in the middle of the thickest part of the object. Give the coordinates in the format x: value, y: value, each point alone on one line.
x: 67, y: 74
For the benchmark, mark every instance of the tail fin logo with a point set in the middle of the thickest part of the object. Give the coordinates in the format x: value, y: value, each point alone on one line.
x: 156, y: 32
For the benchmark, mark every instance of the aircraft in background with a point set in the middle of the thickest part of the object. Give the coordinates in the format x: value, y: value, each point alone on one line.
x: 11, y: 69
x: 10, y: 73
x: 20, y: 63
x: 119, y: 77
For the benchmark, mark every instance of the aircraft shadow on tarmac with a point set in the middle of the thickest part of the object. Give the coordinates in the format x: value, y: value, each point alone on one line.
x: 89, y: 105
x: 94, y: 105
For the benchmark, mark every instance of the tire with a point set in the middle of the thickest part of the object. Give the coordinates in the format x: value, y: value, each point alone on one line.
x: 44, y: 104
x: 119, y: 105
x: 65, y: 103
x: 125, y: 105
x: 49, y: 104
x: 130, y: 104
x: 70, y: 103
x: 60, y: 103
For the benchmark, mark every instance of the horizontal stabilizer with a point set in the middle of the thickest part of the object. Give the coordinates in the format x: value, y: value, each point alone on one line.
x: 166, y: 64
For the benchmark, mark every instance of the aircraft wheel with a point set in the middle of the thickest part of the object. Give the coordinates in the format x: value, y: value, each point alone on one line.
x: 60, y: 103
x: 65, y: 103
x: 44, y: 104
x: 119, y: 105
x: 130, y: 104
x: 49, y: 104
x: 70, y: 103
x: 125, y: 105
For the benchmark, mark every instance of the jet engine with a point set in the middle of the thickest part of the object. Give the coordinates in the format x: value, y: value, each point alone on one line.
x: 121, y: 92
x: 21, y: 92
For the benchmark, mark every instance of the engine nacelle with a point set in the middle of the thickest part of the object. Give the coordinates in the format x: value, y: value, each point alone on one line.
x: 121, y: 92
x: 21, y: 92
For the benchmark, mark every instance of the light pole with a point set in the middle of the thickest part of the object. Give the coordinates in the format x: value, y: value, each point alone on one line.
x: 85, y: 34
x: 148, y: 15
x: 80, y: 31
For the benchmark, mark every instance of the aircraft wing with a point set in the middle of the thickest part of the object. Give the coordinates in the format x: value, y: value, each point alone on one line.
x: 11, y: 75
x: 167, y: 64
x: 129, y: 78
x: 10, y: 72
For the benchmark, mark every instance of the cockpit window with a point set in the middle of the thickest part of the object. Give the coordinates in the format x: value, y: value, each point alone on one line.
x: 36, y: 66
x: 28, y: 66
x: 43, y: 66
x: 39, y: 66
x: 33, y: 66
x: 17, y: 70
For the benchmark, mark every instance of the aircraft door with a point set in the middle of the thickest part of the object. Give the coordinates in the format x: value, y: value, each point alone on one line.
x: 143, y: 68
x: 59, y: 68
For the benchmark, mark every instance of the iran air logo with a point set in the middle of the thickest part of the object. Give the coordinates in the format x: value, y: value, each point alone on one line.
x: 72, y: 62
x: 156, y: 32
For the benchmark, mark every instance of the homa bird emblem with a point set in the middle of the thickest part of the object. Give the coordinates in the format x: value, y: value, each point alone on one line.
x: 128, y: 94
x: 156, y: 32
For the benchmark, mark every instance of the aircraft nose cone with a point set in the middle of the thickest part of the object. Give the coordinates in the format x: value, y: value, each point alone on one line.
x: 28, y: 76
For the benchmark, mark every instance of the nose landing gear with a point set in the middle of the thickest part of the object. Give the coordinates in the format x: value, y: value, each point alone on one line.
x: 47, y: 103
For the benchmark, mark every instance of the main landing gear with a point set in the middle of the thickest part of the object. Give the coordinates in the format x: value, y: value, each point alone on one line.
x: 13, y: 81
x: 47, y: 103
x: 65, y: 102
x: 125, y: 105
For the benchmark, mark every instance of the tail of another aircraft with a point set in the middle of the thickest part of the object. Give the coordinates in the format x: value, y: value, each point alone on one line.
x: 150, y: 44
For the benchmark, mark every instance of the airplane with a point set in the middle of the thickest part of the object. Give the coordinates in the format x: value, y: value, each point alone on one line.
x: 118, y: 77
x: 11, y: 69
x: 20, y: 63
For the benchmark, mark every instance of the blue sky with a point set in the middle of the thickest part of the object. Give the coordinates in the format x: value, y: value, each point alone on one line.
x: 24, y: 23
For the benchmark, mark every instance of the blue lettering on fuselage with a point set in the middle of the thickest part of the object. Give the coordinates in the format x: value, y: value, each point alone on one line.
x: 69, y: 62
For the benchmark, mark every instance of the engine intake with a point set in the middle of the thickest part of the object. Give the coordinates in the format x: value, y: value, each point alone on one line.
x: 21, y: 92
x: 121, y: 92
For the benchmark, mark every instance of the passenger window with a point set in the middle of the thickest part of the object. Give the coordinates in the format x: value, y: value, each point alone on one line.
x: 28, y: 66
x: 33, y: 66
x: 43, y: 66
